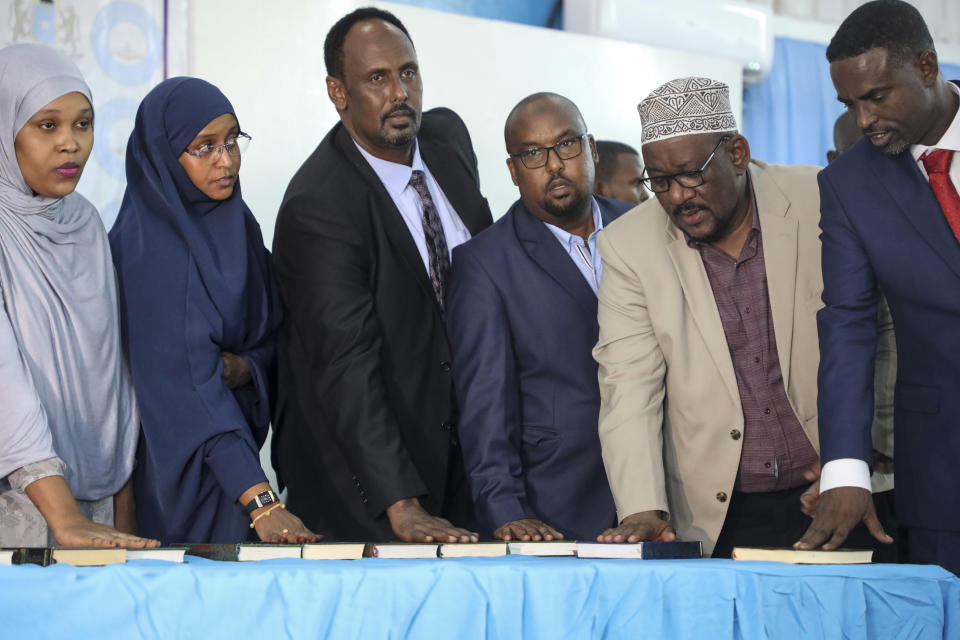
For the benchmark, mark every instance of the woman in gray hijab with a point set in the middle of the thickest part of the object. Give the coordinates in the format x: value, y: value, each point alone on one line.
x: 68, y: 425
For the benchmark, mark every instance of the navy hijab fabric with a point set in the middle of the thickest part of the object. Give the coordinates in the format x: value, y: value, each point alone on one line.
x: 195, y: 281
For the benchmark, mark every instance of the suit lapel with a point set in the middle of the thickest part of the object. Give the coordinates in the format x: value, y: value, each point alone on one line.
x: 779, y: 234
x: 544, y: 249
x: 454, y: 180
x: 703, y: 306
x: 902, y: 179
x: 386, y: 210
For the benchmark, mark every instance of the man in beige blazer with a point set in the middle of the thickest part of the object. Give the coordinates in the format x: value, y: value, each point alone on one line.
x: 708, y: 347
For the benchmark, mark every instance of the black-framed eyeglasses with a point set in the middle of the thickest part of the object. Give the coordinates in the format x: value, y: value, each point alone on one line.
x: 210, y: 153
x: 688, y: 179
x: 537, y: 157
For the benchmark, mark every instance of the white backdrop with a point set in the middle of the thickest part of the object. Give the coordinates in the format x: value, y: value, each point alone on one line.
x: 268, y: 59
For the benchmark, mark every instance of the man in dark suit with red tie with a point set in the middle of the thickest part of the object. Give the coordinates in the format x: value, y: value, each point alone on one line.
x: 366, y: 438
x: 890, y: 217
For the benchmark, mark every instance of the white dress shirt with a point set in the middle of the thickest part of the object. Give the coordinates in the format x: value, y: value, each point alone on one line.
x: 396, y: 179
x: 853, y: 472
x: 584, y: 255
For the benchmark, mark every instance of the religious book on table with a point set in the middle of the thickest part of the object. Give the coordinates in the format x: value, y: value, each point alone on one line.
x: 804, y: 556
x: 333, y: 551
x: 89, y: 556
x: 245, y: 551
x: 542, y: 548
x: 472, y: 549
x: 167, y: 554
x: 641, y: 550
x: 402, y: 550
x: 25, y: 555
x: 213, y: 551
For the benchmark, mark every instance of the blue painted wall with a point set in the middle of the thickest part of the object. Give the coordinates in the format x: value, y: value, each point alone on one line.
x: 533, y: 12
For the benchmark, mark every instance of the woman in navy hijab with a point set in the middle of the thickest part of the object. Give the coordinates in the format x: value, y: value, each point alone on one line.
x: 200, y: 314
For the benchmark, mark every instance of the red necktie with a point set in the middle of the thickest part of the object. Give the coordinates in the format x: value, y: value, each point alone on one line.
x: 937, y: 164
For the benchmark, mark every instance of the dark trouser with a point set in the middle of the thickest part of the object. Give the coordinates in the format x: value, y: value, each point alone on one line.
x: 929, y: 546
x: 771, y: 519
x: 885, y: 507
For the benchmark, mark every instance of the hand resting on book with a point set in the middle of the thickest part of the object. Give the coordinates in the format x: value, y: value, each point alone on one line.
x: 643, y: 526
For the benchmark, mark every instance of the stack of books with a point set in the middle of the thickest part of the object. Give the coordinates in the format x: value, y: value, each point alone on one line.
x: 245, y: 552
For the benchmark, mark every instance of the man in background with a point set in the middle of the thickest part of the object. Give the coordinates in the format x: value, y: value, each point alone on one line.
x: 619, y: 173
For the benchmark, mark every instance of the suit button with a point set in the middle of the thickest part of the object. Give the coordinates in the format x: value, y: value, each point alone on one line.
x: 445, y: 366
x: 447, y: 425
x: 735, y: 434
x: 721, y: 497
x: 454, y: 442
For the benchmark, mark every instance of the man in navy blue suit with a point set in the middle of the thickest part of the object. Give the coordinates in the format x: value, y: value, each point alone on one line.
x: 890, y: 221
x: 522, y: 319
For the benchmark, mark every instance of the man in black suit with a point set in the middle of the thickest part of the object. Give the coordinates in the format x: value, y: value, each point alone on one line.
x: 366, y: 437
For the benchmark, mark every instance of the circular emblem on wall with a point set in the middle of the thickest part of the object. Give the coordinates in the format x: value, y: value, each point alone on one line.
x: 127, y: 43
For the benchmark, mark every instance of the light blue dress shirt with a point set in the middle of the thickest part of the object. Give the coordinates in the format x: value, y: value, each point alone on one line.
x: 584, y: 254
x: 396, y: 179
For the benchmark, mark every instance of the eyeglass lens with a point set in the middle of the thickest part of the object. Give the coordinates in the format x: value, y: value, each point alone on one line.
x: 687, y: 179
x: 565, y: 150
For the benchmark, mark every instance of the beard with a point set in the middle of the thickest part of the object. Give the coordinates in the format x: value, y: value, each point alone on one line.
x: 572, y: 208
x: 720, y: 230
x: 403, y: 138
x: 895, y: 147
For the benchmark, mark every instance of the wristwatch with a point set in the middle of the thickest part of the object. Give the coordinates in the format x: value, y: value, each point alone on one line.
x: 261, y: 500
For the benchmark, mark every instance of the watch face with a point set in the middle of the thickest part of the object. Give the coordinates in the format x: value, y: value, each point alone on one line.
x: 266, y: 498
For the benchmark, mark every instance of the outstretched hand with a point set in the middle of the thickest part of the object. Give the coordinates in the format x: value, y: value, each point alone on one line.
x: 78, y: 531
x: 527, y: 529
x: 282, y: 526
x: 838, y: 511
x: 412, y: 523
x: 644, y: 526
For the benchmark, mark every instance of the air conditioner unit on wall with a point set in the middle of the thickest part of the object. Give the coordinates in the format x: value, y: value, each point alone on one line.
x: 733, y: 30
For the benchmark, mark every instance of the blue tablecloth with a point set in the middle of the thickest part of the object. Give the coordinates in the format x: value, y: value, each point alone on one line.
x: 496, y: 598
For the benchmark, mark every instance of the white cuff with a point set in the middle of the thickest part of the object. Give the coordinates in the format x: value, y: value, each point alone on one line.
x: 845, y: 472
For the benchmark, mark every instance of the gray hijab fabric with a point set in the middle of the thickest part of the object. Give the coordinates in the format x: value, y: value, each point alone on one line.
x: 64, y: 387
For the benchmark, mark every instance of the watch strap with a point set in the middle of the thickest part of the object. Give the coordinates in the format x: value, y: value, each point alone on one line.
x: 261, y: 500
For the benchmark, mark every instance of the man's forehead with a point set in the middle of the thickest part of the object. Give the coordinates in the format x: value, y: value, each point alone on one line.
x: 543, y: 119
x: 373, y: 42
x: 678, y: 150
x: 870, y: 67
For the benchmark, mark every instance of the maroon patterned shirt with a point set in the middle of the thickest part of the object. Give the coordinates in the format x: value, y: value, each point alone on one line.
x: 776, y: 451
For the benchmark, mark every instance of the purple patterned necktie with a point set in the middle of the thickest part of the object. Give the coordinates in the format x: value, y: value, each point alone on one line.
x: 437, y: 253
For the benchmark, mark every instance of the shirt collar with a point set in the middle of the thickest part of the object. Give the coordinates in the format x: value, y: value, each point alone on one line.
x: 568, y: 239
x: 950, y: 139
x: 395, y: 177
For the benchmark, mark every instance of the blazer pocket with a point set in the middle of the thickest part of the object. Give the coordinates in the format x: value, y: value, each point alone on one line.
x: 918, y: 398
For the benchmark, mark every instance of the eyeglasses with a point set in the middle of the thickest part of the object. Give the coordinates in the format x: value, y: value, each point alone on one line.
x: 688, y: 179
x: 539, y: 156
x: 210, y: 153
